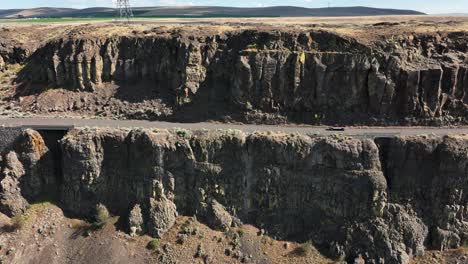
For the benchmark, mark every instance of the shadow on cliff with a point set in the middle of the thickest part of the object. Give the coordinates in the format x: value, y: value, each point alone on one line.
x: 8, y: 228
x: 140, y: 91
x: 27, y: 82
x: 212, y: 102
x: 27, y: 88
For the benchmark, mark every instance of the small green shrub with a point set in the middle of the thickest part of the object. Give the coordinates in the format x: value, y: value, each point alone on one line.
x: 195, y: 231
x: 102, y: 214
x: 184, y: 133
x: 185, y: 228
x: 181, y: 238
x: 153, y: 244
x: 200, y: 252
x: 236, y: 243
x: 252, y: 46
x: 19, y: 221
x: 103, y: 217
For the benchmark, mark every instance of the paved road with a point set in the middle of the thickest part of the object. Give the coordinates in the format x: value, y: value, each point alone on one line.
x: 49, y: 123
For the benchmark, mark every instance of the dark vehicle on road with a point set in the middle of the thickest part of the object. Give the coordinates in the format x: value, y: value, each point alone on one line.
x: 335, y: 129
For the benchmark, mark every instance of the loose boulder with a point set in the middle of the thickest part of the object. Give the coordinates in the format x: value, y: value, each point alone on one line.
x: 163, y: 214
x: 217, y: 216
x: 11, y: 200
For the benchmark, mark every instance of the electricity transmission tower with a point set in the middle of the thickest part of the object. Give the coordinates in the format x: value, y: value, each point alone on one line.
x: 124, y: 11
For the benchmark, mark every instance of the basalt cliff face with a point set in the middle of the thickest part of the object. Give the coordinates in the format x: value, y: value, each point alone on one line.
x: 384, y: 199
x: 276, y: 76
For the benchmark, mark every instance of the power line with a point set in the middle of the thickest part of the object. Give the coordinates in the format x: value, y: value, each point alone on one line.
x: 124, y: 11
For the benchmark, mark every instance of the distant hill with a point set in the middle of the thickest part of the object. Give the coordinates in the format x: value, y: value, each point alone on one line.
x: 207, y: 11
x: 34, y: 12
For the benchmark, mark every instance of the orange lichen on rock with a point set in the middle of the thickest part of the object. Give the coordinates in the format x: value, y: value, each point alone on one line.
x: 35, y: 142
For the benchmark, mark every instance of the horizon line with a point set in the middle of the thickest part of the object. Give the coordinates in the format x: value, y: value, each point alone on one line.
x: 196, y: 6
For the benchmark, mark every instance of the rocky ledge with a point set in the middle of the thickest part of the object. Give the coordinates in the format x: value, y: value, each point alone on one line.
x: 387, y: 200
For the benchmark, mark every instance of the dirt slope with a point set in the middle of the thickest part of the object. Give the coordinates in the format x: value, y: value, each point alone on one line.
x: 46, y: 236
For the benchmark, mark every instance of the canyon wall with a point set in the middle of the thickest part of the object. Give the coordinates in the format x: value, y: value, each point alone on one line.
x: 309, y: 76
x: 386, y: 199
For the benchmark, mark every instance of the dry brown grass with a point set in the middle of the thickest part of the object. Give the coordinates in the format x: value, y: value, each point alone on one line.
x: 354, y: 26
x: 363, y: 29
x: 367, y: 33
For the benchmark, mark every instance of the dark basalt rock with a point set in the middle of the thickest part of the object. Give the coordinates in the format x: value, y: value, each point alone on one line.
x: 11, y: 200
x: 218, y: 217
x: 162, y: 216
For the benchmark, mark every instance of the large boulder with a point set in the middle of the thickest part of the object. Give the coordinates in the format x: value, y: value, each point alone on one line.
x: 217, y: 216
x: 162, y: 216
x: 11, y: 200
x: 40, y: 176
x: 27, y: 174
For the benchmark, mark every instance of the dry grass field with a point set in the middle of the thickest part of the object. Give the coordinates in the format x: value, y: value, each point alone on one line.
x: 364, y: 27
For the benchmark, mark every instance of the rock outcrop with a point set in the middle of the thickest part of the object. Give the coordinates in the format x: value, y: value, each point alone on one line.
x: 384, y: 200
x: 12, y: 52
x: 11, y: 200
x: 27, y: 173
x: 218, y: 217
x: 309, y: 76
x: 162, y: 216
x: 136, y: 221
x: 34, y: 154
